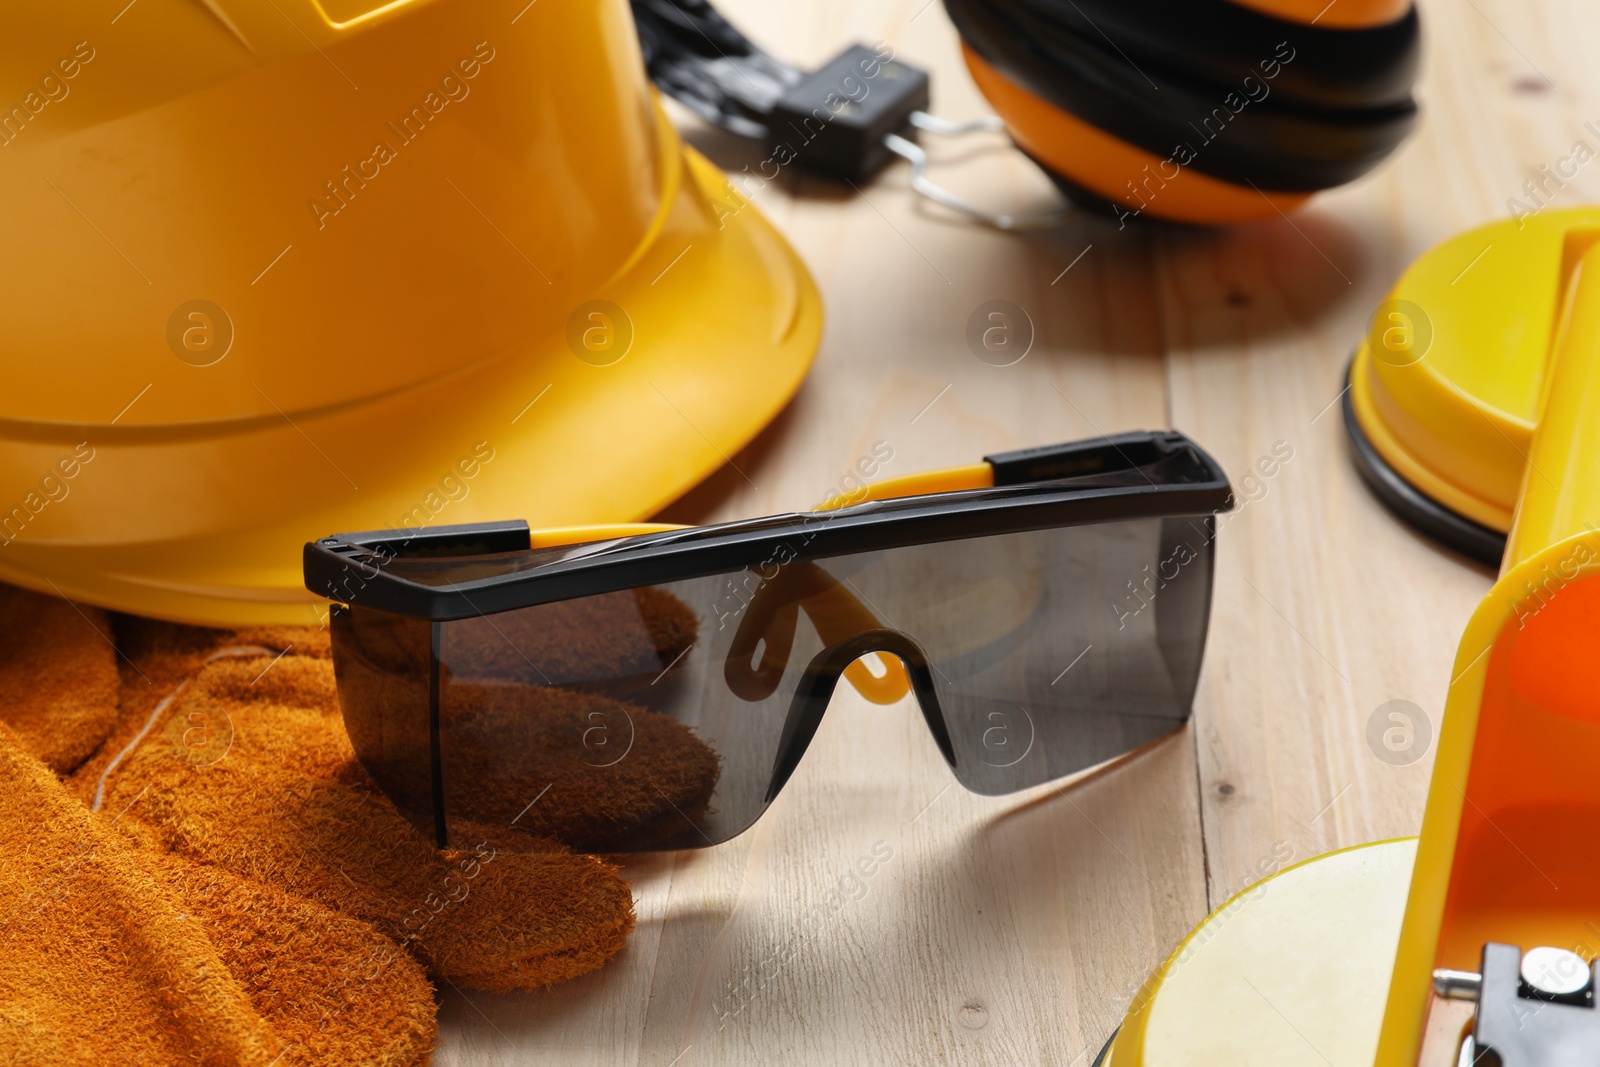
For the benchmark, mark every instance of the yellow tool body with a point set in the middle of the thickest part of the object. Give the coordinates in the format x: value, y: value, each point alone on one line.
x: 1479, y: 383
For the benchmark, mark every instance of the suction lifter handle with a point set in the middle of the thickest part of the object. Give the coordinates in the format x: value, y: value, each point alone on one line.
x: 1560, y: 494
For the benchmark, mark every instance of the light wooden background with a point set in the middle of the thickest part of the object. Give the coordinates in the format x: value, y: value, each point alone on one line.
x: 1015, y: 930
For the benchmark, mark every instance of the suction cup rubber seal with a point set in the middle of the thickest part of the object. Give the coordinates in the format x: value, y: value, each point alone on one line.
x: 1427, y: 515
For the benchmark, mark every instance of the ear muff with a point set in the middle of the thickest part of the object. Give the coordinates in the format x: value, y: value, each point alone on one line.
x: 1200, y: 111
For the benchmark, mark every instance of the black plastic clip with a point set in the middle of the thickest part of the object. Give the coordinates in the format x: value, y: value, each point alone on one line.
x: 1535, y: 1009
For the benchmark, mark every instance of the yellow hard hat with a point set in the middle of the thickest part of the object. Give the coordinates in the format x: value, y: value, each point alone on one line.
x: 280, y: 269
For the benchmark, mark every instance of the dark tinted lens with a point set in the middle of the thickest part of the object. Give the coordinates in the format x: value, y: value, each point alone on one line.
x: 1055, y: 650
x: 383, y: 665
x: 609, y: 723
x: 669, y: 716
x: 631, y: 721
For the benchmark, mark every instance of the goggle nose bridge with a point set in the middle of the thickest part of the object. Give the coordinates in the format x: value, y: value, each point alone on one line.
x: 821, y: 678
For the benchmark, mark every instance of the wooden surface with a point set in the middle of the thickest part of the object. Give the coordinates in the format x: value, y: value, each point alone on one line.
x: 1015, y: 930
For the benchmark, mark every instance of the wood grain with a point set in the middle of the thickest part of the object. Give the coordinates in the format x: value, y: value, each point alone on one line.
x: 1015, y: 930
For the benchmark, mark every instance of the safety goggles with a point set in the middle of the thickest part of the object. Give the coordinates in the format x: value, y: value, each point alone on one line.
x: 633, y: 689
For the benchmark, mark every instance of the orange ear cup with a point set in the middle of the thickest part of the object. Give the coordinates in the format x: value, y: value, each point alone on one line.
x: 1139, y: 181
x: 1196, y: 111
x: 1334, y: 15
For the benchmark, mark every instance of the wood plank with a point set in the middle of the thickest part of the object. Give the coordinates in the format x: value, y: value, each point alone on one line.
x: 1015, y: 930
x: 1001, y: 930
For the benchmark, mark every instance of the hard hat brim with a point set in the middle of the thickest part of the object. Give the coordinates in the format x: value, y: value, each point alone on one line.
x: 722, y: 321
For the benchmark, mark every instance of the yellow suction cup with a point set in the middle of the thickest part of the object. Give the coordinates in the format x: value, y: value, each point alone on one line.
x: 1445, y: 388
x: 1478, y: 390
x: 1250, y: 986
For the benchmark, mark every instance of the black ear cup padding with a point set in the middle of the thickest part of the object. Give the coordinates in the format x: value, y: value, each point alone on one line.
x: 1082, y: 197
x: 1222, y: 42
x: 1238, y: 132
